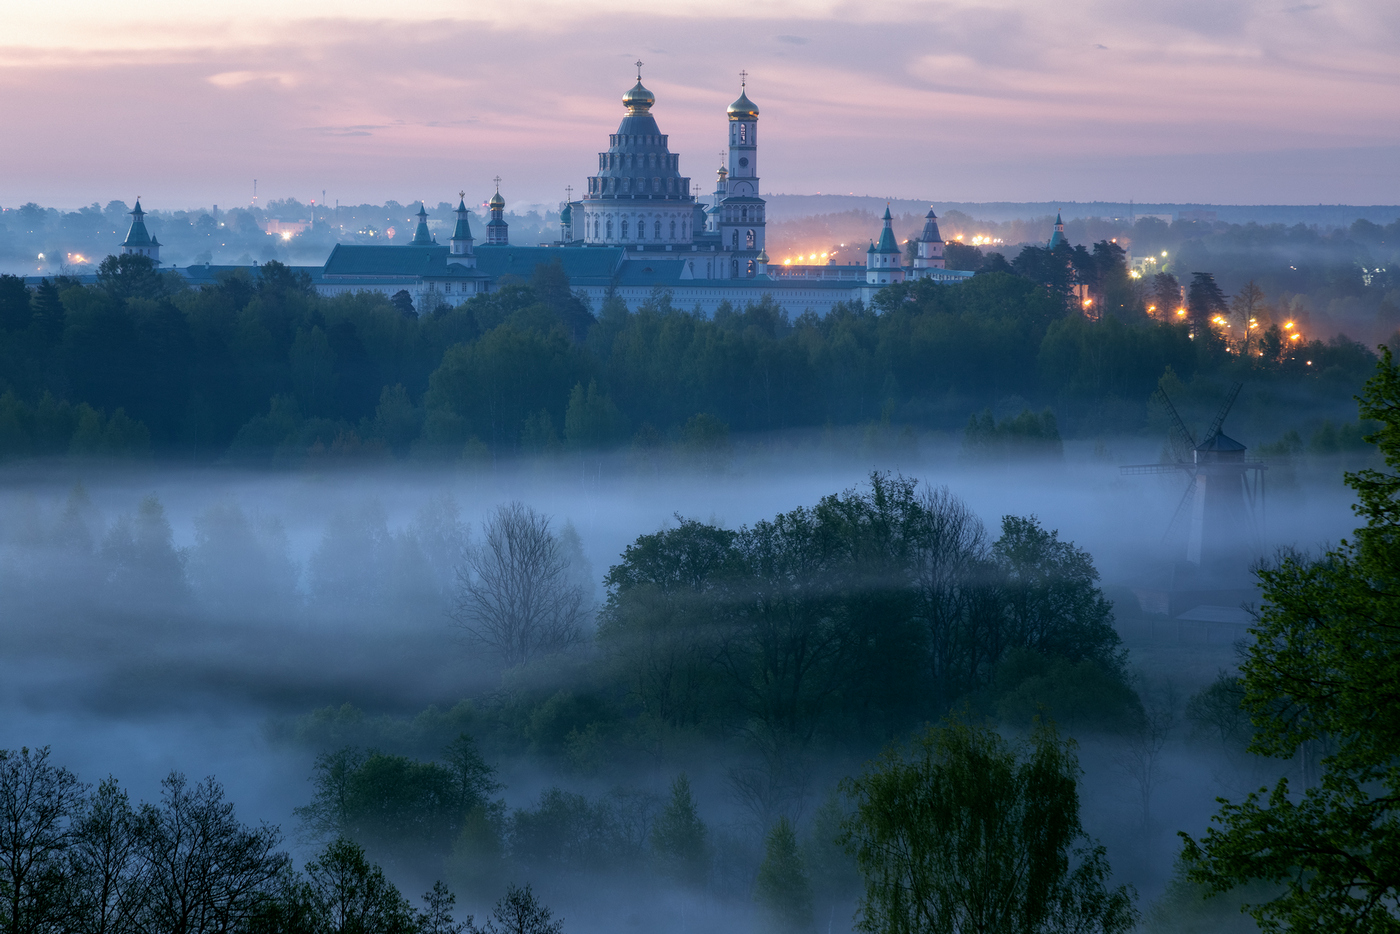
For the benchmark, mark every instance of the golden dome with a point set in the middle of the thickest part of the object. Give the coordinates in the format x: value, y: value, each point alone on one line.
x: 639, y: 99
x: 497, y: 201
x: 743, y: 108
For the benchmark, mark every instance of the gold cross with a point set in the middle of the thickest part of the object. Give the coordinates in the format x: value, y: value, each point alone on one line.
x: 639, y: 69
x: 743, y: 78
x: 497, y: 180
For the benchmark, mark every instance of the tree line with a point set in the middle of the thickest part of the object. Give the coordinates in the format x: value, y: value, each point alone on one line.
x: 258, y: 367
x: 80, y: 860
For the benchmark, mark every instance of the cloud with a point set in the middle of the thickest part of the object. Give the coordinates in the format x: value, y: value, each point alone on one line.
x: 233, y: 79
x: 970, y: 101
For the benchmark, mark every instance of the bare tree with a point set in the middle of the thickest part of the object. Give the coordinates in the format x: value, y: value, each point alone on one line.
x: 1141, y: 759
x: 514, y: 593
x: 37, y: 801
x: 201, y: 870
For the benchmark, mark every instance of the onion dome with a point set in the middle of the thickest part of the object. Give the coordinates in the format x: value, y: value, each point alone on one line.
x: 639, y: 99
x: 497, y: 201
x: 762, y: 256
x: 743, y: 108
x: 566, y: 216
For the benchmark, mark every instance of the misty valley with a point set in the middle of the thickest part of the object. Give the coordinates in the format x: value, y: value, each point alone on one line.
x: 604, y: 692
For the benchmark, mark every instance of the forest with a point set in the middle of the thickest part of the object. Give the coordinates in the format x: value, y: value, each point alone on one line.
x: 258, y: 369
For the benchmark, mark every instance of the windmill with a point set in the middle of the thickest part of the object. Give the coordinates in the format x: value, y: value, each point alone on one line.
x: 1224, y: 498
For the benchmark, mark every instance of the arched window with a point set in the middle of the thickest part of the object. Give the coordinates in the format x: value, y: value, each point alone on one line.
x: 743, y: 132
x: 609, y: 228
x: 673, y: 228
x: 743, y: 214
x: 735, y: 242
x: 734, y: 269
x: 624, y: 230
x: 656, y: 184
x: 750, y: 269
x: 657, y: 230
x: 748, y: 239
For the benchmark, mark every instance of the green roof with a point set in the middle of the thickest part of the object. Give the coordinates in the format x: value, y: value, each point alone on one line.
x: 464, y: 228
x: 374, y: 261
x: 583, y: 265
x: 887, y: 243
x: 138, y: 235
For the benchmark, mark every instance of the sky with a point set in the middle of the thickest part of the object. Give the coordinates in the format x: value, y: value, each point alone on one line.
x: 1211, y: 101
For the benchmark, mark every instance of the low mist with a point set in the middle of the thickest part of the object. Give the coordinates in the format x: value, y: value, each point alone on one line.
x: 196, y: 619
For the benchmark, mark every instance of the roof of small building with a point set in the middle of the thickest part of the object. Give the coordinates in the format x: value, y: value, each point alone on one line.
x: 389, y: 261
x: 931, y: 234
x: 1221, y: 443
x: 421, y: 236
x: 464, y: 227
x: 138, y: 235
x: 887, y: 242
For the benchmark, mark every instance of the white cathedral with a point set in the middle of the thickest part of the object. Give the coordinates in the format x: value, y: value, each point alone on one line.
x: 639, y: 228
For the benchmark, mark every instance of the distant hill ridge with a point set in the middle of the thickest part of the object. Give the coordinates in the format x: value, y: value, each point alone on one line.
x: 787, y: 207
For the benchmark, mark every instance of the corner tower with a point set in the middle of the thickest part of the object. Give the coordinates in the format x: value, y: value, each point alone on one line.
x: 928, y: 252
x: 741, y: 221
x: 459, y: 248
x: 422, y: 236
x: 138, y: 240
x: 638, y: 198
x: 883, y: 264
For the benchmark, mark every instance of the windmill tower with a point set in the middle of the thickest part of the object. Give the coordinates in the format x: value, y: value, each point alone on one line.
x: 1222, y: 507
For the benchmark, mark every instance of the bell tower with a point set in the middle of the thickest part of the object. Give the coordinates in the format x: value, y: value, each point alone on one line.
x: 741, y: 218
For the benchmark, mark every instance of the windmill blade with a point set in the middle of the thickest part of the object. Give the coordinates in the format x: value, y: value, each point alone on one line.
x: 1182, y: 440
x: 1183, y: 509
x: 1224, y: 411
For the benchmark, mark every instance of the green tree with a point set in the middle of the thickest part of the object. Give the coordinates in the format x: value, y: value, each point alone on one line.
x: 204, y: 871
x: 591, y: 420
x: 782, y: 887
x: 679, y: 838
x: 966, y: 832
x: 1248, y: 309
x: 1324, y: 668
x: 520, y: 912
x: 350, y: 895
x: 1204, y: 300
x: 130, y: 276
